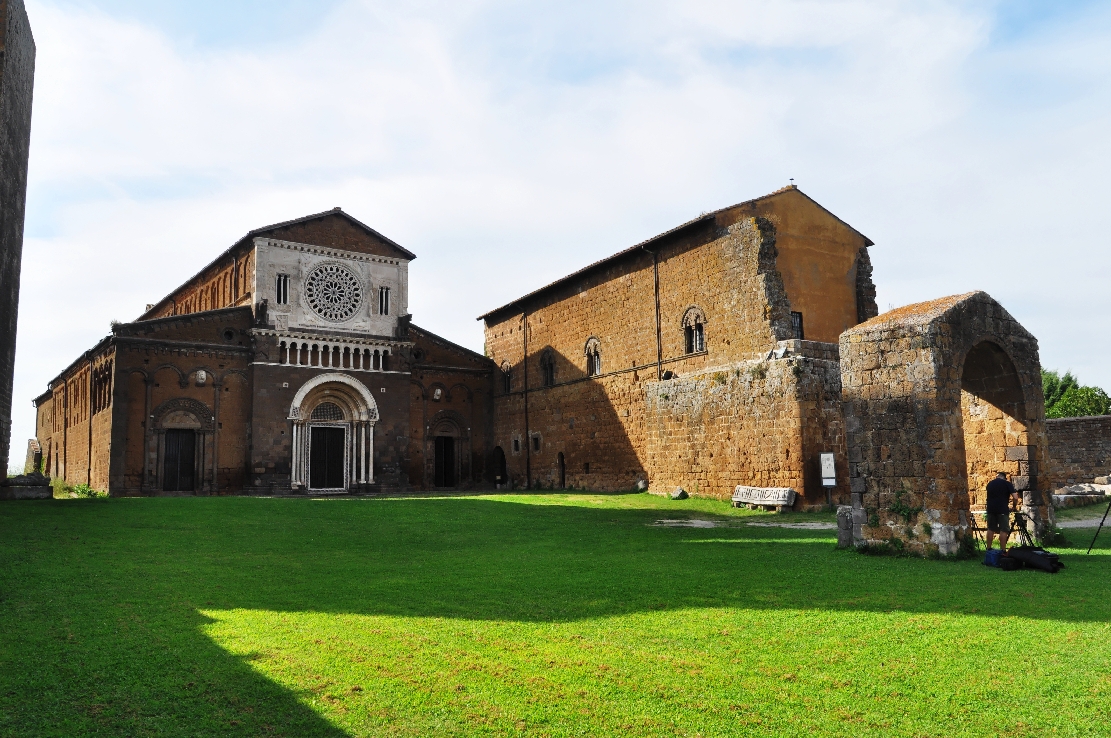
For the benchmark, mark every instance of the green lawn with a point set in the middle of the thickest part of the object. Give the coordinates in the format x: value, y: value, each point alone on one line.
x: 524, y: 615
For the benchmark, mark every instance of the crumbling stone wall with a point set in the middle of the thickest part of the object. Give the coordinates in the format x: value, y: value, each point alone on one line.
x: 926, y: 389
x: 17, y: 77
x: 1079, y: 449
x: 759, y: 423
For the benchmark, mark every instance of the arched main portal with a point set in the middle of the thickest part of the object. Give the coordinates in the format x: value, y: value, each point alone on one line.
x: 333, y: 417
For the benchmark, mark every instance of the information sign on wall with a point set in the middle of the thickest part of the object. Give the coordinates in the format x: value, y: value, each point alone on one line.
x: 829, y: 473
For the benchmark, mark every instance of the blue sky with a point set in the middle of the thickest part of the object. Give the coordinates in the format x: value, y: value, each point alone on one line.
x: 509, y: 143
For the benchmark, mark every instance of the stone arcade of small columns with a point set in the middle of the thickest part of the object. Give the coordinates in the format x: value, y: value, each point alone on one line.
x: 360, y: 415
x: 308, y: 352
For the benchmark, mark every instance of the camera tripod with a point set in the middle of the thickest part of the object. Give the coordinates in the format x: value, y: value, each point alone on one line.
x: 1108, y: 510
x: 1018, y: 525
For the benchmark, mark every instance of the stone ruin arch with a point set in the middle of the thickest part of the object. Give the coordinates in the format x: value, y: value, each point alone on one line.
x: 938, y: 397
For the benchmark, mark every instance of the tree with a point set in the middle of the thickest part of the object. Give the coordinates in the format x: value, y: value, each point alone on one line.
x: 1065, y: 397
x: 1055, y: 386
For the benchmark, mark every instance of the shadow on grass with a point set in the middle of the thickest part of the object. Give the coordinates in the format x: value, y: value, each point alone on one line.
x: 101, y: 599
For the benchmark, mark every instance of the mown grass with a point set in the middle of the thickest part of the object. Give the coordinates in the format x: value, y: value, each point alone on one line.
x: 523, y: 615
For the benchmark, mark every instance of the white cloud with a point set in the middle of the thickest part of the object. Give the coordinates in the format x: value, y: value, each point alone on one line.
x: 507, y: 145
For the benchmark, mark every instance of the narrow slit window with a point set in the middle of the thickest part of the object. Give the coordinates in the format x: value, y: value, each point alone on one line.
x: 383, y: 300
x: 536, y: 443
x: 796, y: 325
x: 282, y: 289
x: 547, y: 369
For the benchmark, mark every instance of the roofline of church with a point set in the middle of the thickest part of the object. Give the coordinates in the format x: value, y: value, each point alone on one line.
x: 450, y: 344
x: 108, y: 340
x: 666, y: 234
x: 85, y: 356
x: 258, y: 232
x: 198, y: 315
x: 334, y: 211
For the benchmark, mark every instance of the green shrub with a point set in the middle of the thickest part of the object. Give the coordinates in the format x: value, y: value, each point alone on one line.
x: 81, y: 491
x: 1065, y: 397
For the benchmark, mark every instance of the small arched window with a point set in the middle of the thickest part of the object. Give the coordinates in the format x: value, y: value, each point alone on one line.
x: 507, y: 378
x: 694, y: 330
x: 593, y: 358
x: 547, y: 367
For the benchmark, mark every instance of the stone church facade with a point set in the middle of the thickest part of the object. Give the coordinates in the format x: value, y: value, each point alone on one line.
x: 735, y: 350
x: 288, y: 364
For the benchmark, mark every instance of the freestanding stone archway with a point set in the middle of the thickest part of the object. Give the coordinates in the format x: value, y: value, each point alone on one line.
x: 938, y: 397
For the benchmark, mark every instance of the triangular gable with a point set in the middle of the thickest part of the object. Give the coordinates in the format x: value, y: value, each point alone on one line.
x: 731, y: 214
x: 334, y: 229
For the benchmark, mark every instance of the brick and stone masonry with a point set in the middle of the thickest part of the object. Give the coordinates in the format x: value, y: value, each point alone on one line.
x: 1079, y: 449
x: 297, y: 334
x: 703, y: 358
x: 938, y: 397
x: 731, y: 351
x: 17, y: 75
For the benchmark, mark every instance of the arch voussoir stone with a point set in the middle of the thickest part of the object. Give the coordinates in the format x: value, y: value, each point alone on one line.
x: 904, y: 375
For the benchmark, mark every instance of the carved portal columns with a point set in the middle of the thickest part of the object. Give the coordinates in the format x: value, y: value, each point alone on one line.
x: 360, y: 412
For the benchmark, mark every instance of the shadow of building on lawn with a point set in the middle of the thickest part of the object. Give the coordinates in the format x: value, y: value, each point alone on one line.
x: 108, y: 595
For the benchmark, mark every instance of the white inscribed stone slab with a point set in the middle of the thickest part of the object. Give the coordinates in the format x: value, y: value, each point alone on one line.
x: 764, y: 495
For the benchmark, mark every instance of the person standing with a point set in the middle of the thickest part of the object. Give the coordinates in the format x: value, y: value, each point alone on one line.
x: 1000, y: 495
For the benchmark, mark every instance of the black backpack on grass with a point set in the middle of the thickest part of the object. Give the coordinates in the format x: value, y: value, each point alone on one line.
x: 1035, y: 557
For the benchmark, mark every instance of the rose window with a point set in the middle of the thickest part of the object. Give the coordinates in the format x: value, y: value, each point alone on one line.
x: 334, y: 292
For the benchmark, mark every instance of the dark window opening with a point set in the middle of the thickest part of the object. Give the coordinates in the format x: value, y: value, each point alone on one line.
x: 586, y: 468
x: 282, y: 290
x: 536, y: 443
x: 516, y: 445
x: 547, y: 369
x: 796, y: 325
x: 507, y: 380
x: 695, y: 338
x: 383, y: 300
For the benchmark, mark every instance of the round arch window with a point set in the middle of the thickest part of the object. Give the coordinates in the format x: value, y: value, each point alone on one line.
x: 327, y: 411
x: 334, y: 292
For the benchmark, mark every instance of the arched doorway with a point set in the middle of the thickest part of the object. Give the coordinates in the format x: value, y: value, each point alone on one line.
x: 327, y: 447
x: 333, y: 417
x: 500, y: 474
x: 993, y: 420
x: 183, y: 429
x: 445, y: 452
